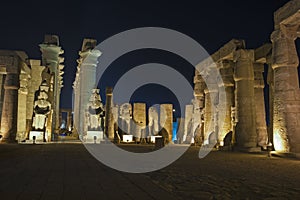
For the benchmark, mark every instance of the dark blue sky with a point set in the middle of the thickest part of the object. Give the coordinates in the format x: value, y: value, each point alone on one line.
x: 212, y: 23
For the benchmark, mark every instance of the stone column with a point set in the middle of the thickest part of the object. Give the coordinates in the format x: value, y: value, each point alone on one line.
x: 33, y: 86
x: 245, y: 136
x: 270, y: 80
x: 286, y: 127
x: 199, y: 88
x: 109, y: 122
x: 261, y: 127
x: 10, y: 106
x: 166, y: 119
x: 210, y: 109
x: 87, y: 82
x: 22, y: 107
x: 2, y: 79
x: 76, y: 104
x: 139, y: 118
x: 226, y: 92
x: 51, y: 52
x: 69, y: 119
x: 188, y: 123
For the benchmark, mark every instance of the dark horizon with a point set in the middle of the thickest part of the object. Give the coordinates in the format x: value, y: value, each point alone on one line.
x: 211, y: 23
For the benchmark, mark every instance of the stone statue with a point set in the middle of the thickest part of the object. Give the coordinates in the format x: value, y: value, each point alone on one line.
x: 42, y: 108
x: 125, y: 116
x: 95, y: 111
x: 153, y: 121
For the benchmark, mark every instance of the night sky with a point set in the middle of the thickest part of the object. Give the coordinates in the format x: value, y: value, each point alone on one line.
x: 211, y: 23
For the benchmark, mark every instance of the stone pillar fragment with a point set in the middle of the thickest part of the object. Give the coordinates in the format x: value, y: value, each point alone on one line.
x: 166, y: 119
x: 245, y: 136
x: 188, y: 124
x: 109, y: 122
x: 139, y: 118
x: 22, y: 107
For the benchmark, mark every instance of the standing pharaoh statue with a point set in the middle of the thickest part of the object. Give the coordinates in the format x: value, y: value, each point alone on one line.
x: 95, y: 112
x: 125, y: 116
x: 42, y: 108
x: 153, y: 121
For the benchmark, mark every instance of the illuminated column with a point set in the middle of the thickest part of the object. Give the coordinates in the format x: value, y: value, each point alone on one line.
x: 199, y: 98
x: 199, y: 88
x: 22, y: 107
x: 10, y: 105
x: 210, y: 109
x: 33, y: 86
x: 69, y: 120
x: 286, y: 127
x: 226, y: 92
x: 88, y: 62
x: 109, y: 122
x: 261, y: 127
x: 246, y: 137
x: 76, y: 102
x: 166, y: 119
x: 51, y: 52
x: 2, y: 79
x: 270, y: 80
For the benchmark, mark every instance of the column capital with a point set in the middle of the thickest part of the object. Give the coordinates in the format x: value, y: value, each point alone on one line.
x: 243, y: 68
x: 284, y: 52
x: 284, y: 32
x: 243, y: 54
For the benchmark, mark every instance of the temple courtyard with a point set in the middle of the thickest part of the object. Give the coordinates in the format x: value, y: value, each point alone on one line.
x: 68, y: 171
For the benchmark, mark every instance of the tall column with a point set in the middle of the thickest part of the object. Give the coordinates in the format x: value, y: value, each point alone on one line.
x: 76, y: 103
x: 210, y: 108
x: 22, y: 107
x: 87, y: 74
x: 246, y: 137
x: 166, y: 119
x: 109, y: 122
x: 226, y: 92
x: 286, y: 127
x: 270, y: 80
x: 2, y: 79
x: 10, y: 105
x: 51, y: 52
x: 33, y: 86
x: 261, y: 127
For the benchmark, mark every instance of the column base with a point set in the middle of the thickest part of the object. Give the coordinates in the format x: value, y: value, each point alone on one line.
x: 8, y: 141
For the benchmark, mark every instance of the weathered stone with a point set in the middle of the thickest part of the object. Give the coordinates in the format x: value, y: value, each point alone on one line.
x: 139, y: 118
x: 245, y: 135
x: 166, y: 119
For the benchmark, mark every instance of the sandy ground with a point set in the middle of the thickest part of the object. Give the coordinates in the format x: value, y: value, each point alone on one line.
x: 64, y: 170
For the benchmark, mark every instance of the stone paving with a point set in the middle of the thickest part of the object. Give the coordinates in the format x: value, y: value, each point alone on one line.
x: 67, y: 171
